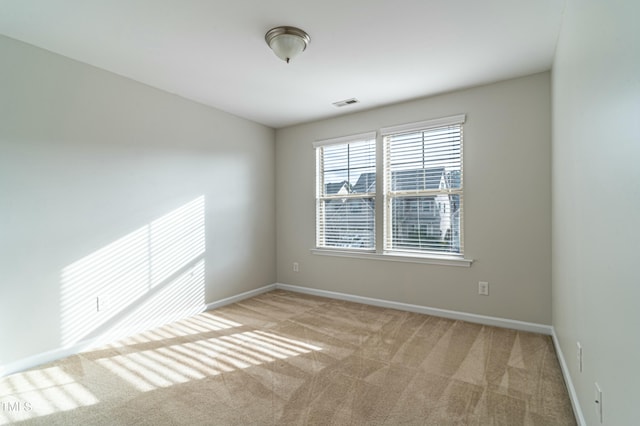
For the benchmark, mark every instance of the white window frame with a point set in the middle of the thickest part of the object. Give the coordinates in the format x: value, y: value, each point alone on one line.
x: 322, y: 198
x: 390, y: 195
x: 435, y: 258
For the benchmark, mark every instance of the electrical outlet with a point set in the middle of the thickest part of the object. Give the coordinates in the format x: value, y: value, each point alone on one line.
x: 483, y: 288
x: 598, y: 401
x: 101, y: 303
x: 296, y: 267
x: 579, y: 356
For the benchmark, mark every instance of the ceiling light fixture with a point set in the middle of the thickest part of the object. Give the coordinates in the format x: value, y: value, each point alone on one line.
x: 287, y: 42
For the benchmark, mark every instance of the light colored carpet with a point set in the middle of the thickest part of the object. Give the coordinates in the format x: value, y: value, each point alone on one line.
x: 286, y: 359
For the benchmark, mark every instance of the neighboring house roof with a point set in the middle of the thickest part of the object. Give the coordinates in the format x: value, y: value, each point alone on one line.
x: 418, y: 179
x: 336, y: 188
x: 366, y: 183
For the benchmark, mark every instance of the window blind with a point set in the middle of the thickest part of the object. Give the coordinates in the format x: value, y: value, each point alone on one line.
x: 424, y: 187
x: 345, y: 196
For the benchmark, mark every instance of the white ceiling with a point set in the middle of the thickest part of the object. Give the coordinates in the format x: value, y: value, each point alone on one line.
x: 378, y: 51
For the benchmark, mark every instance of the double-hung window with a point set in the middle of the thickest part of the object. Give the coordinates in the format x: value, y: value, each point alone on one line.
x: 423, y: 187
x: 345, y: 192
x: 421, y: 196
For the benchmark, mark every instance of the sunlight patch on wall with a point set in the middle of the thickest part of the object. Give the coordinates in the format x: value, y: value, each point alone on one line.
x: 179, y: 298
x: 146, y: 278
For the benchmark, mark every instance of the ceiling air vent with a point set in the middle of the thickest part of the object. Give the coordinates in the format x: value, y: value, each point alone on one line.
x: 346, y: 102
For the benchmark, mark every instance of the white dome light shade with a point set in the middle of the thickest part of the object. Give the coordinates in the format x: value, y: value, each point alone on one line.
x: 287, y: 46
x: 287, y: 42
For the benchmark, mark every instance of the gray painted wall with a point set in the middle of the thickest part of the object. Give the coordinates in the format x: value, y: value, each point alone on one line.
x: 596, y: 203
x: 87, y: 159
x: 507, y: 221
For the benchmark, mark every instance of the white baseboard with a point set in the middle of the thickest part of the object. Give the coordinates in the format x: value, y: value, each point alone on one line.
x: 573, y: 396
x: 41, y: 358
x: 239, y: 297
x: 54, y: 354
x: 457, y: 315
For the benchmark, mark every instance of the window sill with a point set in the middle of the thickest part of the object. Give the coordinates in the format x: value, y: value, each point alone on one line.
x: 430, y: 259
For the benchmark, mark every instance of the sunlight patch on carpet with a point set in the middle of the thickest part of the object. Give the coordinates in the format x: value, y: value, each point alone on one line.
x: 40, y: 392
x: 170, y: 365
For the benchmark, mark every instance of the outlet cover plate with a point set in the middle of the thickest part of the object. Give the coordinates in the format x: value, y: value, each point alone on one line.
x: 598, y: 401
x: 579, y: 356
